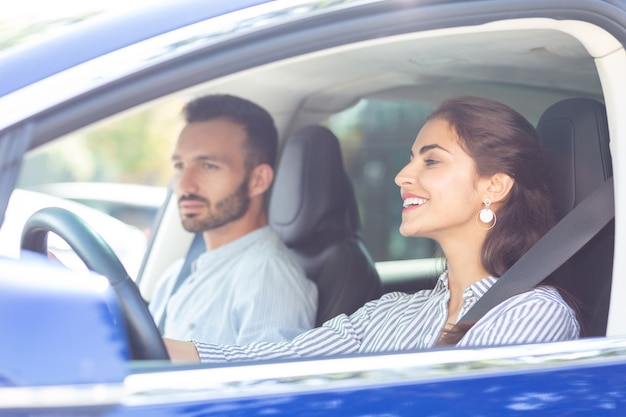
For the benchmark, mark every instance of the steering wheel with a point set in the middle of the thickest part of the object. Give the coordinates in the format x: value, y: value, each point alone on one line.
x: 144, y: 337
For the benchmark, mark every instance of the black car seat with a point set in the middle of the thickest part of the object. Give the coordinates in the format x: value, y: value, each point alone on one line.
x: 313, y: 209
x: 574, y: 134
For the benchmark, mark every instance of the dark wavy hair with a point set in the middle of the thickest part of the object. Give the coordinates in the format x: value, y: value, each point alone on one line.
x: 262, y: 135
x: 500, y: 140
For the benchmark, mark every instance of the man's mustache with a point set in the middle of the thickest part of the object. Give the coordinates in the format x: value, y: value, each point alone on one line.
x: 192, y: 197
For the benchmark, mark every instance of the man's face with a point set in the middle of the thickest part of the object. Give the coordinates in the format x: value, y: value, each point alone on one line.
x: 210, y: 178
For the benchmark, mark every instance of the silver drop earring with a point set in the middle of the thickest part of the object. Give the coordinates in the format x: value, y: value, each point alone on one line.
x: 486, y: 216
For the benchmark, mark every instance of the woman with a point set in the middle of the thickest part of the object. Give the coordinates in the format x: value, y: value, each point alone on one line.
x: 475, y: 184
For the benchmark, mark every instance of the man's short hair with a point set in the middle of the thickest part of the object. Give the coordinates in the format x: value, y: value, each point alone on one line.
x: 262, y: 143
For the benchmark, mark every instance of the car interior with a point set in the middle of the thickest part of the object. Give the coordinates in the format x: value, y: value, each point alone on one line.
x: 354, y: 109
x: 325, y: 236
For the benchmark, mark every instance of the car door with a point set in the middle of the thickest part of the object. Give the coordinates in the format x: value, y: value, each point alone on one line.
x: 283, y: 57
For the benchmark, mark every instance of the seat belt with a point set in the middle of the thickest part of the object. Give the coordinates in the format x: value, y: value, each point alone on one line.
x: 566, y: 238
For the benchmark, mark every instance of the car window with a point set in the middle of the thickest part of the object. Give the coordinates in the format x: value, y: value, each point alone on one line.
x: 376, y: 137
x: 118, y: 168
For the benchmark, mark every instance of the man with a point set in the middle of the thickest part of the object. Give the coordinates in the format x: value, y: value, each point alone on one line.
x: 246, y: 287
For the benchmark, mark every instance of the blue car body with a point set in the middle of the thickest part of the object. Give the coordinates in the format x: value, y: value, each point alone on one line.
x: 64, y: 349
x: 78, y: 364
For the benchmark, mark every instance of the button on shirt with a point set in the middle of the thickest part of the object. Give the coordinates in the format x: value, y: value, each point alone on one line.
x: 248, y: 290
x: 399, y: 322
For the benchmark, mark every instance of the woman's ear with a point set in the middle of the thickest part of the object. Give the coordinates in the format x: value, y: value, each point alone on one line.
x: 261, y: 178
x: 498, y: 187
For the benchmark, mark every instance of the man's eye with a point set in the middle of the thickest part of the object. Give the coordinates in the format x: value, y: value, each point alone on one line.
x: 210, y: 166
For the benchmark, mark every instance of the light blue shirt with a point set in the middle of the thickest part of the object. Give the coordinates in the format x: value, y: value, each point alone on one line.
x: 400, y: 322
x: 249, y: 290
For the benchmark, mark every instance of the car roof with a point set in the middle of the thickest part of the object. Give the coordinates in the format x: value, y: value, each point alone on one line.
x: 87, y: 39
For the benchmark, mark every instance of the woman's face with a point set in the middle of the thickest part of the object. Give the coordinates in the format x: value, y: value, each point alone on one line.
x: 439, y: 186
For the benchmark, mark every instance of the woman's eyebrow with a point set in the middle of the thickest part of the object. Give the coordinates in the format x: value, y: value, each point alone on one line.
x: 426, y: 148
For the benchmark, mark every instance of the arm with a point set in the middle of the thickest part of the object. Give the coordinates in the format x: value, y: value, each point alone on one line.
x: 340, y: 335
x: 180, y: 351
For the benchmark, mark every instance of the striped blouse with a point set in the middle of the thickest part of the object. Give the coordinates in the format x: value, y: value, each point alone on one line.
x: 399, y: 322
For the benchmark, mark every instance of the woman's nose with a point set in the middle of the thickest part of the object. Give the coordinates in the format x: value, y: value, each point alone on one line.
x: 404, y: 176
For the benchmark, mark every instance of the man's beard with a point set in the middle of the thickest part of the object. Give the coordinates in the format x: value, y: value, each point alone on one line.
x: 227, y: 210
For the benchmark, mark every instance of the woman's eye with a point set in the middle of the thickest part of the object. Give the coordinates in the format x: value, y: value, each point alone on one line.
x: 430, y: 161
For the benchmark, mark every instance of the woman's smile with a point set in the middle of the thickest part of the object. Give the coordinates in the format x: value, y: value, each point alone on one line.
x: 410, y: 202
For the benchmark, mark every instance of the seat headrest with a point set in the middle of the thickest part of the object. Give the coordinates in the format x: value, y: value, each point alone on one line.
x: 575, y: 139
x: 312, y: 197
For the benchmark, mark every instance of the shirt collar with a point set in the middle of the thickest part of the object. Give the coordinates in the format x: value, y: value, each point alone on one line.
x: 233, y: 247
x: 477, y: 289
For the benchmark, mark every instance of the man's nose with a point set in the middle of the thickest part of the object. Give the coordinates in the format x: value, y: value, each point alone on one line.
x: 186, y: 183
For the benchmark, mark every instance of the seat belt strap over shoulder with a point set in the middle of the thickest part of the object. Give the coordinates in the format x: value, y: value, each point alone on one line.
x: 566, y: 238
